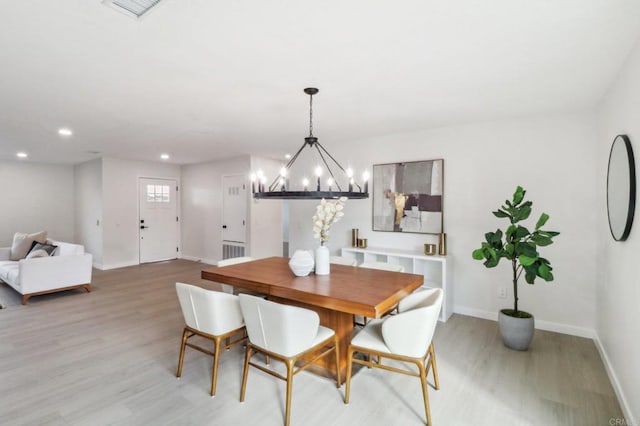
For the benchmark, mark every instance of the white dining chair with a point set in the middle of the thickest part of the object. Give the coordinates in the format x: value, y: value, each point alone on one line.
x: 286, y: 333
x: 228, y: 262
x: 383, y: 266
x: 405, y: 337
x: 212, y: 315
x: 341, y: 260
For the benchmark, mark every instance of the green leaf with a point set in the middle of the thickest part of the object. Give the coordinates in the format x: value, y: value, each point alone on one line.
x: 494, y: 238
x: 478, y: 254
x: 544, y: 272
x: 490, y: 263
x: 530, y: 275
x: 521, y: 232
x: 541, y: 240
x: 523, y: 212
x: 509, y: 249
x: 543, y: 219
x: 526, y: 260
x: 518, y: 195
x: 527, y: 249
x: 549, y: 234
x: 500, y: 213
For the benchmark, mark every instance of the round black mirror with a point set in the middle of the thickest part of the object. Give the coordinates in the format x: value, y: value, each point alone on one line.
x: 621, y: 188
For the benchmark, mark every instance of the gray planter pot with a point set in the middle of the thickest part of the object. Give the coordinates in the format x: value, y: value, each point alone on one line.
x: 517, y: 333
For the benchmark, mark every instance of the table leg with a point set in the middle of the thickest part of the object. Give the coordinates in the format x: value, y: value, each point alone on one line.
x: 342, y: 324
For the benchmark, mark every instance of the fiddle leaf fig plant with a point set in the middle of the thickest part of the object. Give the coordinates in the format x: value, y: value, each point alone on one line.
x: 518, y: 245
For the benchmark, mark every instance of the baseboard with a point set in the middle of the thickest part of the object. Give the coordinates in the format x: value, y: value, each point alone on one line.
x: 98, y: 266
x: 613, y: 378
x: 118, y: 265
x: 540, y: 325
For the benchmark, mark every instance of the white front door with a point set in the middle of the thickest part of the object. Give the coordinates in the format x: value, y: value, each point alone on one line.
x: 158, y: 219
x: 234, y: 205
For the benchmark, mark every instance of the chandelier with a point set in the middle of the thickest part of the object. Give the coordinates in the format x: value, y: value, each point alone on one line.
x: 281, y: 187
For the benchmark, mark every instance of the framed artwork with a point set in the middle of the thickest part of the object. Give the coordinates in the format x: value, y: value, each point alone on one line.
x: 407, y: 197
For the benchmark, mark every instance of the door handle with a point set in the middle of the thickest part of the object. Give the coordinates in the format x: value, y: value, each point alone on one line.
x: 143, y: 227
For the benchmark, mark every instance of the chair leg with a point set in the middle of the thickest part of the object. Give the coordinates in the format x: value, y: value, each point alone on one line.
x: 185, y: 335
x: 425, y: 395
x: 348, y: 380
x: 247, y: 357
x: 432, y: 356
x: 337, y: 360
x: 290, y: 364
x: 214, y: 373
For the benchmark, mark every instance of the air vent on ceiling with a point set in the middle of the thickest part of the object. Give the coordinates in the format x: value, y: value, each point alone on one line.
x: 135, y: 8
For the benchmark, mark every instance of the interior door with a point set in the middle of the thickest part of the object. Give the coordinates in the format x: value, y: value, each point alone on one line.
x: 234, y: 204
x: 158, y: 219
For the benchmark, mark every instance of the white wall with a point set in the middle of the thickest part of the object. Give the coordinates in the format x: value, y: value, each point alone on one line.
x: 88, y: 196
x: 265, y: 224
x: 120, y: 207
x: 552, y: 157
x: 202, y: 207
x: 36, y: 197
x: 618, y: 290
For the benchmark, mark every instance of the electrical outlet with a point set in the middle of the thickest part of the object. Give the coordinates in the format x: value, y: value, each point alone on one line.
x: 502, y: 293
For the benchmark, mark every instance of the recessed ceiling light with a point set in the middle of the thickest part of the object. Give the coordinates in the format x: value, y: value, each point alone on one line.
x: 164, y: 156
x: 287, y: 156
x: 22, y: 155
x: 64, y: 131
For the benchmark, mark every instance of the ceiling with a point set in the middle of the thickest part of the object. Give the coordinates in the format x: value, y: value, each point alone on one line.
x: 204, y: 80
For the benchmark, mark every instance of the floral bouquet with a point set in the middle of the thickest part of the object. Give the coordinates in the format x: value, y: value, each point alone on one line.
x: 327, y: 213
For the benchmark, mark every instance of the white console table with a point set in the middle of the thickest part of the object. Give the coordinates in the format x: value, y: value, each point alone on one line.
x: 436, y: 269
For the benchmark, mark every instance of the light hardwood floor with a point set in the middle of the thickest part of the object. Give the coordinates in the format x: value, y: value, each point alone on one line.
x: 110, y: 357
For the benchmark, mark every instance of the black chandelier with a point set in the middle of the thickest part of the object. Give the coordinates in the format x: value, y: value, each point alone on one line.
x: 280, y: 189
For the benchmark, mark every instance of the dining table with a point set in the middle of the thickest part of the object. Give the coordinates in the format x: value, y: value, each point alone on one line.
x: 336, y: 297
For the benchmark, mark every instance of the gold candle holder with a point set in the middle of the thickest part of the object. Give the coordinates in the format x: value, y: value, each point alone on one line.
x: 362, y: 242
x: 429, y: 249
x: 354, y: 237
x: 442, y: 247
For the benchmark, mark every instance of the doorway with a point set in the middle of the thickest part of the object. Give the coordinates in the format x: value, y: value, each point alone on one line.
x: 234, y: 216
x: 158, y: 219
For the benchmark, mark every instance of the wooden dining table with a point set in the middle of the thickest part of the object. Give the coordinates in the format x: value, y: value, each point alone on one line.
x: 336, y: 297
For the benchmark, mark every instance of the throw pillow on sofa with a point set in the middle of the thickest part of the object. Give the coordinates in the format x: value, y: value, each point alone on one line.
x: 22, y: 243
x: 37, y: 253
x: 41, y: 250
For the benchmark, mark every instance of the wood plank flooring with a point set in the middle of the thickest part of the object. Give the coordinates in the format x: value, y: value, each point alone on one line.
x: 109, y: 357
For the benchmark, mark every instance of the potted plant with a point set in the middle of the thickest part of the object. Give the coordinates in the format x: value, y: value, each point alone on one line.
x: 518, y: 245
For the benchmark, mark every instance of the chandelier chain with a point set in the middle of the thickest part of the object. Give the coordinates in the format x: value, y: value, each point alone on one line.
x: 311, y: 115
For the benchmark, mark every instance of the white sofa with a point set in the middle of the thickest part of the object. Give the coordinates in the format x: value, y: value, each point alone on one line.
x: 68, y: 268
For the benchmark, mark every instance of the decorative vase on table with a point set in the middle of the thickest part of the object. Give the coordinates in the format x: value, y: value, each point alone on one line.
x: 301, y: 263
x: 323, y: 266
x: 327, y: 213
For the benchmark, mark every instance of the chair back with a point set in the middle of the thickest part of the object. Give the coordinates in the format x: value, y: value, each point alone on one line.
x: 282, y: 329
x: 341, y: 260
x: 383, y: 266
x: 208, y: 311
x: 409, y: 333
x: 228, y: 262
x: 234, y: 261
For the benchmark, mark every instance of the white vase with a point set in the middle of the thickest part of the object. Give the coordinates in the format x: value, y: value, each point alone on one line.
x: 322, y: 260
x: 301, y: 263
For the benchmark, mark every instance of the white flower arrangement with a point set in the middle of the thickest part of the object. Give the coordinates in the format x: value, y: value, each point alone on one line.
x: 327, y: 213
